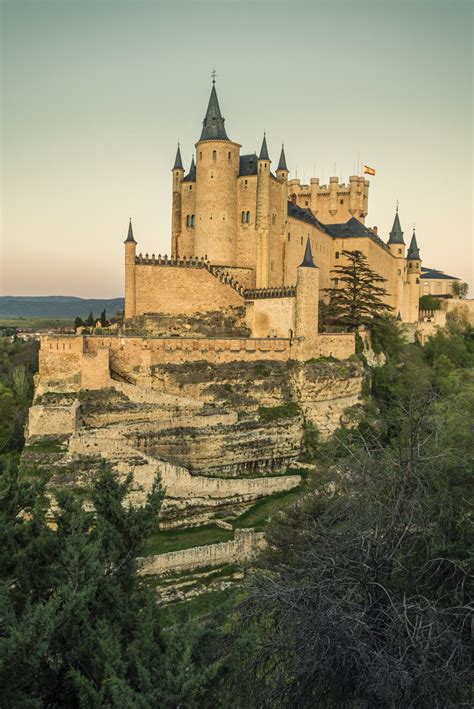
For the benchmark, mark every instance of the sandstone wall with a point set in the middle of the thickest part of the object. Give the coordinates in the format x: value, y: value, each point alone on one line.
x: 340, y: 345
x: 179, y: 290
x: 274, y: 317
x: 53, y: 420
x: 246, y: 544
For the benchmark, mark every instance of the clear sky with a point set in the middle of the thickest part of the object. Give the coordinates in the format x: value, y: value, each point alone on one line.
x: 96, y: 94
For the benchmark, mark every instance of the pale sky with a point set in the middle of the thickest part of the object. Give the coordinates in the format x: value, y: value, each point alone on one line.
x: 95, y: 96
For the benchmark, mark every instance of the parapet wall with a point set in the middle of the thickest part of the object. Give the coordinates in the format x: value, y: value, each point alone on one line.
x: 246, y: 544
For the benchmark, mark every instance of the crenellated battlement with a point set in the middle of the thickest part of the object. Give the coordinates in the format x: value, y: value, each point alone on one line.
x: 285, y: 292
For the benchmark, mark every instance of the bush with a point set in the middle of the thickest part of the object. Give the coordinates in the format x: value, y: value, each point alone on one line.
x: 429, y: 302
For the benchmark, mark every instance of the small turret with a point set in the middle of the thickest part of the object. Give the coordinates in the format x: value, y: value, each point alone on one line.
x: 396, y: 235
x: 308, y: 257
x: 130, y: 253
x: 213, y: 127
x: 413, y: 280
x: 178, y: 163
x: 262, y: 222
x: 282, y: 169
x: 191, y: 176
x: 307, y: 300
x: 413, y: 250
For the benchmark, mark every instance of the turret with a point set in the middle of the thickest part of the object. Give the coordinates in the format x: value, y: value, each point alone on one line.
x: 413, y: 280
x: 263, y: 216
x: 178, y: 174
x: 217, y: 169
x: 282, y: 169
x: 333, y: 187
x: 395, y: 243
x: 130, y: 253
x: 396, y: 246
x: 307, y: 301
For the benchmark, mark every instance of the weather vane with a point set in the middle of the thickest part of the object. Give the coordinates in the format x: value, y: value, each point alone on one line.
x: 397, y: 204
x: 213, y: 75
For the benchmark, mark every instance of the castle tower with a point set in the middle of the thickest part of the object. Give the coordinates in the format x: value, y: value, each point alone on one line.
x: 396, y: 246
x: 413, y: 281
x: 178, y: 174
x: 217, y: 169
x: 307, y: 302
x: 130, y: 252
x: 263, y: 215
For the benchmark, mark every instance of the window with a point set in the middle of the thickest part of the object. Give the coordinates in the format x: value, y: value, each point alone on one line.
x: 190, y: 188
x: 200, y: 156
x: 417, y: 280
x: 188, y: 220
x: 293, y: 198
x: 246, y: 182
x: 341, y: 201
x: 272, y: 264
x: 301, y: 239
x: 243, y: 217
x: 228, y: 156
x: 289, y: 236
x: 273, y: 219
x: 214, y: 154
x: 337, y: 254
x: 306, y: 203
x: 399, y: 251
x: 192, y: 219
x: 247, y: 217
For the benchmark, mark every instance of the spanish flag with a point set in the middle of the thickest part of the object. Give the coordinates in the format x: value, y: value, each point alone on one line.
x: 368, y: 170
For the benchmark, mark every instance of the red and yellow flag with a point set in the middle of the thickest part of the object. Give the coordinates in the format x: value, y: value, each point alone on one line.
x: 368, y: 170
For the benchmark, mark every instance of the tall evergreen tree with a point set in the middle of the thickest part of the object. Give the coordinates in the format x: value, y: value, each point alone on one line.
x: 359, y: 297
x: 90, y: 319
x: 103, y: 319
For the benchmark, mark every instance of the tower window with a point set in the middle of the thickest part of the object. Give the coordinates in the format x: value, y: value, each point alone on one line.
x: 289, y: 236
x: 341, y: 201
x: 306, y: 203
x: 337, y: 254
x: 200, y: 156
x: 190, y: 188
x: 192, y: 219
x: 214, y: 154
x: 301, y: 240
x: 399, y: 251
x: 188, y: 220
x: 273, y: 219
x: 293, y: 198
x: 246, y: 182
x: 247, y: 217
x: 243, y: 217
x: 228, y: 156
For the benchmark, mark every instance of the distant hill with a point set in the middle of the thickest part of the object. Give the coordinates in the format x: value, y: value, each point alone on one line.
x: 56, y: 306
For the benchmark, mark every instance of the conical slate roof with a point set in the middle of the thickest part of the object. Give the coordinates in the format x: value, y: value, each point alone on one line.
x: 282, y: 161
x: 308, y: 256
x: 413, y: 250
x: 396, y: 235
x: 191, y: 176
x: 264, y: 150
x: 178, y: 163
x: 130, y: 233
x: 213, y: 124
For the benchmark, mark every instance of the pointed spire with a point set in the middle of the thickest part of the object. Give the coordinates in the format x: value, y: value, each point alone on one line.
x: 413, y: 250
x: 130, y: 233
x: 264, y: 150
x: 282, y: 161
x: 213, y: 124
x: 178, y: 163
x: 396, y: 235
x: 308, y: 256
x: 191, y: 176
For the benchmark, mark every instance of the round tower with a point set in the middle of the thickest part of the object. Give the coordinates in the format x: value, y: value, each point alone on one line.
x: 307, y: 303
x: 217, y: 170
x: 396, y: 246
x: 263, y: 216
x: 178, y: 174
x: 333, y: 187
x: 130, y: 253
x: 413, y: 281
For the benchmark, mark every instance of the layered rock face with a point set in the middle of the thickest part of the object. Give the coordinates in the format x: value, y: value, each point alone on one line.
x: 221, y: 436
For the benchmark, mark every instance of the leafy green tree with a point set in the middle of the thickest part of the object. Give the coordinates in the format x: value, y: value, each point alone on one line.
x: 78, y: 626
x: 359, y: 297
x: 460, y: 289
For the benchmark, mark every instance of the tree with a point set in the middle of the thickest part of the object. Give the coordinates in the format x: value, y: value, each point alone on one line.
x: 360, y: 298
x: 460, y: 289
x: 103, y: 319
x: 362, y: 596
x: 78, y: 322
x: 90, y: 319
x: 78, y: 626
x: 429, y: 302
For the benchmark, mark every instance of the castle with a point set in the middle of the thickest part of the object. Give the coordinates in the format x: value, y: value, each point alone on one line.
x: 271, y: 241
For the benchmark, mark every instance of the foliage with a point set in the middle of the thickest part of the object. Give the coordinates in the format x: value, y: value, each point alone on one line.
x: 429, y: 302
x: 460, y: 289
x: 90, y: 320
x: 283, y: 411
x: 362, y: 596
x: 386, y: 336
x: 361, y: 297
x: 78, y: 322
x: 18, y: 363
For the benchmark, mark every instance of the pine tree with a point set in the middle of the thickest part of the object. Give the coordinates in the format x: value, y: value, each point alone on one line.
x: 78, y: 322
x: 90, y: 319
x: 103, y: 319
x: 360, y: 299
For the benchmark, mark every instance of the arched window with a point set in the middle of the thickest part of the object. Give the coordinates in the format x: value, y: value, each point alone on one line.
x: 188, y: 220
x: 214, y: 154
x: 192, y: 219
x: 289, y: 236
x: 293, y: 198
x: 228, y: 156
x: 243, y: 217
x: 247, y: 217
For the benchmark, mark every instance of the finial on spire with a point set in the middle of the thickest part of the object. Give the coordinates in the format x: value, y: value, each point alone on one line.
x: 413, y: 252
x: 213, y: 76
x: 213, y: 123
x: 282, y: 162
x: 397, y: 206
x: 264, y: 150
x: 178, y: 163
x: 396, y: 235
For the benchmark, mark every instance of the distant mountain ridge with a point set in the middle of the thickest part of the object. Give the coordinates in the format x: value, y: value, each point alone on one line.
x: 56, y: 306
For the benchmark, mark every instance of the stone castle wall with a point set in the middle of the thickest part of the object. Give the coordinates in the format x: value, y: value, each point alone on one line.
x: 246, y: 544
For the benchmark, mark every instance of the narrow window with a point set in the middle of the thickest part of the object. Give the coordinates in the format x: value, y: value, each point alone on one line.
x: 243, y: 217
x: 289, y: 236
x: 214, y: 154
x: 306, y: 203
x: 273, y: 219
x: 200, y: 156
x: 272, y: 263
x: 187, y: 220
x: 293, y: 198
x: 192, y: 219
x: 190, y: 188
x: 246, y: 182
x: 301, y: 239
x: 247, y: 217
x: 399, y: 251
x: 341, y: 201
x: 228, y: 156
x: 337, y: 254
